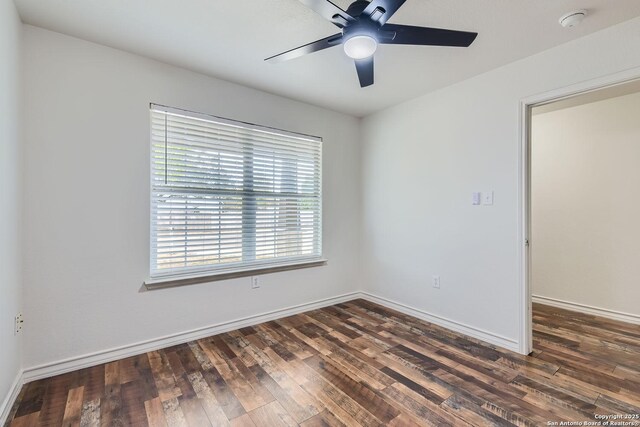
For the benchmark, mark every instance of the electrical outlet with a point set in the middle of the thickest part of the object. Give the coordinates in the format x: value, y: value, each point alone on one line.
x: 255, y: 282
x: 18, y: 323
x: 436, y: 282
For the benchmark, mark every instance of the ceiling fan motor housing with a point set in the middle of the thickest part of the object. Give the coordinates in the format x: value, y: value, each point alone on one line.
x: 361, y: 28
x: 356, y: 8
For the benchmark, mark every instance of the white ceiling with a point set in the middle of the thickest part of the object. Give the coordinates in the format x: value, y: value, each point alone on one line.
x: 229, y: 39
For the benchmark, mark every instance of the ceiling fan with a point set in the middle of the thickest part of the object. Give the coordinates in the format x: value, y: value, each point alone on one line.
x: 364, y: 26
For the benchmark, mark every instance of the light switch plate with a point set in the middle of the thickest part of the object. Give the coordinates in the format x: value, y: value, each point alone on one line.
x: 487, y: 198
x: 475, y: 198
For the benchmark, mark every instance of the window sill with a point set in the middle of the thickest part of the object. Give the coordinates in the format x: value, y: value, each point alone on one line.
x: 172, y: 282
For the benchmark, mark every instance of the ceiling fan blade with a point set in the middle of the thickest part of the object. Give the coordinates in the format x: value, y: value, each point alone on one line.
x: 364, y: 67
x: 329, y: 11
x: 321, y: 44
x: 406, y: 34
x: 381, y: 10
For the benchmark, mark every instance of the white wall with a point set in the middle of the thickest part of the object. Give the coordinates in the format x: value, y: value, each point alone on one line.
x: 423, y: 159
x: 87, y: 199
x: 10, y: 202
x: 586, y: 204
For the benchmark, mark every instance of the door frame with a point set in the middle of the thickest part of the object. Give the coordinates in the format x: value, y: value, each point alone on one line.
x: 524, y: 185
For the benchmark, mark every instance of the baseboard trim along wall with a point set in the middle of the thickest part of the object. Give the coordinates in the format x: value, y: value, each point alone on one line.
x: 105, y: 356
x: 486, y: 336
x: 11, y: 397
x: 588, y: 309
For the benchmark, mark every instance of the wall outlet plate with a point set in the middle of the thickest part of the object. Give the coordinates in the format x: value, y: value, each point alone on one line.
x: 436, y: 282
x: 18, y: 324
x: 255, y: 282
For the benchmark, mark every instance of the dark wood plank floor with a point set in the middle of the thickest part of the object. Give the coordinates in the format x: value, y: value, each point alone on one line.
x: 354, y: 364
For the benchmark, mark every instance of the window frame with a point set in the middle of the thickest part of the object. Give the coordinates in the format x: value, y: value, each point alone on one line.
x: 212, y: 272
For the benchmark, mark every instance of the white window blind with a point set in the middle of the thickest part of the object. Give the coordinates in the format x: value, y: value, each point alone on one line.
x: 228, y: 196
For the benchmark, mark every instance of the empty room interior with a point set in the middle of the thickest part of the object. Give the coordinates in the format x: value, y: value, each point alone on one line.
x: 319, y: 213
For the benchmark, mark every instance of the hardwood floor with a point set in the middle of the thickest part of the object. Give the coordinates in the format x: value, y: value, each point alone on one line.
x: 355, y: 364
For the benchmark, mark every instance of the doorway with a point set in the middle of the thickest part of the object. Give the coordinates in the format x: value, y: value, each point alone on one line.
x: 548, y: 232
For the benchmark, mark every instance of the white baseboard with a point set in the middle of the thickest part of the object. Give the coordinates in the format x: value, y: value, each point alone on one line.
x: 11, y: 397
x: 109, y: 355
x: 486, y: 336
x: 588, y: 309
x: 105, y: 356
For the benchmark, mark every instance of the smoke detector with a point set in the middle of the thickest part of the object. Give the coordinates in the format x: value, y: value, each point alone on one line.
x: 572, y: 19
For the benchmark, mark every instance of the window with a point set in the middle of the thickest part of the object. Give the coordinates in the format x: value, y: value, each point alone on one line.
x: 229, y: 197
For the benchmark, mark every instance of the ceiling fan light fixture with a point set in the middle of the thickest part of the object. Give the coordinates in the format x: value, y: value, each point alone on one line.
x: 360, y: 47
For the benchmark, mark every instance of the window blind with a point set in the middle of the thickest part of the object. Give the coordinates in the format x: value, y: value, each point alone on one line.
x: 228, y: 196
